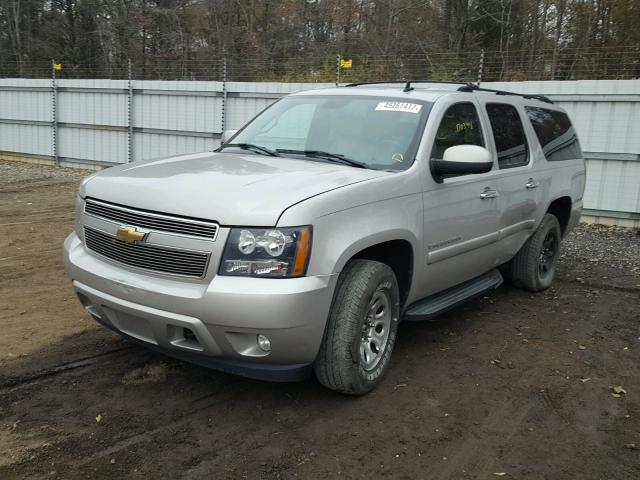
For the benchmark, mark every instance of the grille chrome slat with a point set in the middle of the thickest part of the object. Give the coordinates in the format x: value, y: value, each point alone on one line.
x: 190, y: 270
x: 145, y: 256
x: 158, y: 224
x: 154, y: 221
x: 124, y: 257
x: 124, y: 254
x: 142, y: 248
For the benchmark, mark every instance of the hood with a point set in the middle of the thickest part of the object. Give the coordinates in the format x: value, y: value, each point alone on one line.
x: 231, y: 189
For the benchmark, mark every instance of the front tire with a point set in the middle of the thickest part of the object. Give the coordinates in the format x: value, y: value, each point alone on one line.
x: 534, y: 266
x: 361, y: 329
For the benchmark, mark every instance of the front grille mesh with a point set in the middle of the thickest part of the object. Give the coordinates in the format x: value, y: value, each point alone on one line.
x: 150, y: 257
x: 152, y: 221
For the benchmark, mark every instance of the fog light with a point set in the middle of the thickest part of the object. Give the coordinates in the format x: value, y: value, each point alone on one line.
x: 264, y: 343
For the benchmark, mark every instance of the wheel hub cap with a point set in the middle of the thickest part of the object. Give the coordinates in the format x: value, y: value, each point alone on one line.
x: 375, y: 330
x: 547, y: 255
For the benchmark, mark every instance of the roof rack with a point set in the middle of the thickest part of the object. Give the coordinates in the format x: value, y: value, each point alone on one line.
x: 407, y: 86
x: 464, y: 87
x: 470, y: 87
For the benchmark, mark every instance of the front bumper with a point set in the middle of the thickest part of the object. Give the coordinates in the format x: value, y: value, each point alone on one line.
x: 213, y: 324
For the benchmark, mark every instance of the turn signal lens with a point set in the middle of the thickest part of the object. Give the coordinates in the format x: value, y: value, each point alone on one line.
x: 302, y: 253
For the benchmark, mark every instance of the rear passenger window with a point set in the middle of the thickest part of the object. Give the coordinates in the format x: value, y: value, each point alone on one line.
x: 555, y: 133
x: 460, y: 125
x: 508, y: 133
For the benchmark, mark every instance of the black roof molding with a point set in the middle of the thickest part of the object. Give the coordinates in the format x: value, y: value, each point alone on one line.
x: 407, y: 86
x: 464, y: 87
x: 470, y: 87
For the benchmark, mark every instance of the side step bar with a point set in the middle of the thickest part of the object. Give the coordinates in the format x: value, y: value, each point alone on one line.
x: 432, y: 306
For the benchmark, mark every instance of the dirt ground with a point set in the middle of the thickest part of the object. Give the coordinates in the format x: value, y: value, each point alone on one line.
x: 512, y: 385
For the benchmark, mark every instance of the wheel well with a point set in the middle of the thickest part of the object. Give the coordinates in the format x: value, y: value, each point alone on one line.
x: 398, y: 254
x: 561, y: 208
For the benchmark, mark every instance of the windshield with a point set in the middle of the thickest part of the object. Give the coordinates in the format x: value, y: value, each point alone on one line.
x: 377, y: 132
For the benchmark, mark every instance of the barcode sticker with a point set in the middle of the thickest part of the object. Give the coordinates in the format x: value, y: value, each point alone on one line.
x: 399, y: 107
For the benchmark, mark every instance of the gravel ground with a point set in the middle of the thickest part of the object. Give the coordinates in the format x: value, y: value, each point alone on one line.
x: 592, y: 246
x: 513, y: 385
x: 15, y: 172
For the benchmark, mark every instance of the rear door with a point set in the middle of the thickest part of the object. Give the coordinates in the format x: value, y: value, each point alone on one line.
x: 460, y: 214
x: 519, y: 182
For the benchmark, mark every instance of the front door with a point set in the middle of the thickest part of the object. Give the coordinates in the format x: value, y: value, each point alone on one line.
x: 461, y: 214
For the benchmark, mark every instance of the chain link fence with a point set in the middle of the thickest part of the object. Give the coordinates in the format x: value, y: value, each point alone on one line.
x: 605, y: 63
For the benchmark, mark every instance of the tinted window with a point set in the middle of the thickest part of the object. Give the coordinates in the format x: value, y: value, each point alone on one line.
x: 459, y: 126
x: 555, y: 133
x: 508, y: 133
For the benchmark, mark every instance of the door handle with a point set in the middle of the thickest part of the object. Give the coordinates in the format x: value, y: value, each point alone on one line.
x: 531, y: 183
x: 488, y: 193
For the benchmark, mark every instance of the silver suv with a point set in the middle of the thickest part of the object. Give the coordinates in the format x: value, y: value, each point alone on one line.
x: 305, y: 238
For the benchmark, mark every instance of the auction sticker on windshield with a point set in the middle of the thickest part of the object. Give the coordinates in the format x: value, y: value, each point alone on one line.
x: 399, y: 107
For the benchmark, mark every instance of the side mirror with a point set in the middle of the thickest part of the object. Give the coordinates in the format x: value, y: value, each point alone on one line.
x: 462, y: 160
x: 226, y: 135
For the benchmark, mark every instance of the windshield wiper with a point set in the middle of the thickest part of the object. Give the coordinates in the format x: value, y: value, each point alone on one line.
x: 249, y: 146
x: 333, y: 157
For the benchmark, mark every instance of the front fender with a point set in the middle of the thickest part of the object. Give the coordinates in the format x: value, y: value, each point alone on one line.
x: 352, y: 249
x: 341, y: 234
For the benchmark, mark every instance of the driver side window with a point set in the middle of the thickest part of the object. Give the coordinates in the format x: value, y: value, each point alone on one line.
x: 460, y: 125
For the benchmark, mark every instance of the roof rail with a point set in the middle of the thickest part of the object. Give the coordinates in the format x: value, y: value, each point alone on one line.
x: 470, y: 87
x: 407, y: 86
x: 464, y: 87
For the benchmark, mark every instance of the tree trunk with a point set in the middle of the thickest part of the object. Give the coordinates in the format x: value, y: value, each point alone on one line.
x: 17, y: 37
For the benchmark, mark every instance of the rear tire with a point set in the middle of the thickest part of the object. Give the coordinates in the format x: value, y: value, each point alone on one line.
x: 361, y: 329
x: 534, y: 266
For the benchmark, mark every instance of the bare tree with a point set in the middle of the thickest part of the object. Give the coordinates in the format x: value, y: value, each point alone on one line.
x: 299, y: 39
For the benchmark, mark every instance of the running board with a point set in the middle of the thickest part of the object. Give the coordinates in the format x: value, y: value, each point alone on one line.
x: 430, y: 307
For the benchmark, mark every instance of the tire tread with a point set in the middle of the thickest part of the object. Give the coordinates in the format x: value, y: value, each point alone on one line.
x: 334, y: 362
x: 524, y: 265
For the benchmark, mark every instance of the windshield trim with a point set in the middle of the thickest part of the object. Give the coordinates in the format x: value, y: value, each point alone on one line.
x: 414, y: 144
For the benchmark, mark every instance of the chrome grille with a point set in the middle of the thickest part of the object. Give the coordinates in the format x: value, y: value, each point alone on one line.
x: 153, y: 221
x: 150, y: 257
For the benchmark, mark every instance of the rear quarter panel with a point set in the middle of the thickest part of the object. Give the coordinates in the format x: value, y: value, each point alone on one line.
x: 563, y: 178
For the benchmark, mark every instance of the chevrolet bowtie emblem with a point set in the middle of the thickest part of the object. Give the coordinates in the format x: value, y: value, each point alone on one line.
x: 130, y: 234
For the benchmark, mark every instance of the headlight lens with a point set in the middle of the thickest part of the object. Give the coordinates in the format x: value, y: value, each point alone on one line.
x: 267, y: 252
x: 246, y: 242
x: 274, y: 242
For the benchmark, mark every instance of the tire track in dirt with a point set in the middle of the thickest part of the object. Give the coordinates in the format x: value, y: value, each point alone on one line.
x: 84, y: 455
x: 10, y: 385
x: 602, y: 286
x: 507, y: 419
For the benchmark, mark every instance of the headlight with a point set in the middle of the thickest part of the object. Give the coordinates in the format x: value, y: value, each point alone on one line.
x: 267, y: 252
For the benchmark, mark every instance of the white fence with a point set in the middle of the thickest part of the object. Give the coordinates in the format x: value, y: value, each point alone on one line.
x: 103, y: 122
x: 110, y: 121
